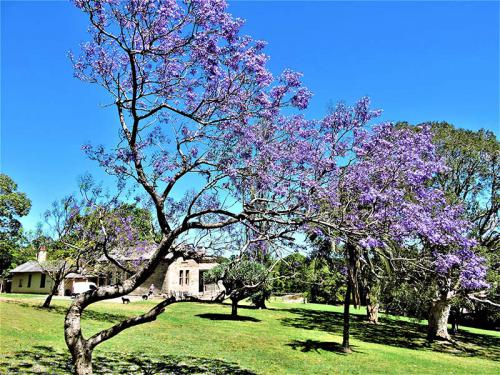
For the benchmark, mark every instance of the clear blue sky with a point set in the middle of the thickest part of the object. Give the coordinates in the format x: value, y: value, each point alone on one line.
x: 418, y: 61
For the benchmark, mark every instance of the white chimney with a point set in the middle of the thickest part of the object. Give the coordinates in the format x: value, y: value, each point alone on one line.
x: 42, y: 254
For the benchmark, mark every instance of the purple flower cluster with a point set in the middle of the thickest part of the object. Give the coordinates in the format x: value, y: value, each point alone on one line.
x: 444, y: 263
x: 188, y: 54
x: 470, y: 267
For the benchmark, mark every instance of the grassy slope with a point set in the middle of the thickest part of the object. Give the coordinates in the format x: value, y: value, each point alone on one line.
x: 287, y: 339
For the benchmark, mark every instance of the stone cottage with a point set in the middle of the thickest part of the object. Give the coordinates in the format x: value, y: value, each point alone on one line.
x: 182, y: 277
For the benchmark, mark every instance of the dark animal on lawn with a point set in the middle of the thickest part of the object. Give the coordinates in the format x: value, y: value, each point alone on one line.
x: 125, y: 300
x: 144, y: 297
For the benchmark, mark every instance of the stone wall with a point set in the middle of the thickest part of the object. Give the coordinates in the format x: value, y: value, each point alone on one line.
x: 157, y: 279
x: 167, y: 279
x: 190, y: 284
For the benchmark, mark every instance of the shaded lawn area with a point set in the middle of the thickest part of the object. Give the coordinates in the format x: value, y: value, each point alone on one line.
x: 191, y: 338
x: 397, y: 332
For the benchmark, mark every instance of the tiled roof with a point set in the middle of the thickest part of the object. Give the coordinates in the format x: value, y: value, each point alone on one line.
x: 142, y: 254
x: 31, y: 266
x: 34, y: 266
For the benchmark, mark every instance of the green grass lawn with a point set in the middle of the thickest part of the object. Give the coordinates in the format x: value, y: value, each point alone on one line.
x: 192, y: 338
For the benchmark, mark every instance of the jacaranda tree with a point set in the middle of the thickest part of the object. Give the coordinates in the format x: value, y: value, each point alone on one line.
x: 194, y: 102
x: 385, y: 196
x: 201, y: 117
x: 470, y: 179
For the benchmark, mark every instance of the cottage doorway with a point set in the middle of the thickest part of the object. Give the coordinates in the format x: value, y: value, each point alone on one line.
x: 201, y: 282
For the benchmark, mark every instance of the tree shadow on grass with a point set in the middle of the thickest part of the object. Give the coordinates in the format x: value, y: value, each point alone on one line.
x: 316, y: 346
x: 87, y: 314
x: 45, y: 360
x: 227, y: 303
x: 214, y: 316
x: 395, y: 332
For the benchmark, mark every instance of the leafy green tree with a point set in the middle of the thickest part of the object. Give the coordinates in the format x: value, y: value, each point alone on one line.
x: 240, y: 278
x: 318, y: 276
x: 326, y: 283
x: 13, y: 205
x: 289, y: 275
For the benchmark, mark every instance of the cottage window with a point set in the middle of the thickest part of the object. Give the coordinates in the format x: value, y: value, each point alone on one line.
x: 20, y: 283
x: 181, y: 274
x: 29, y: 281
x: 187, y: 277
x: 42, y: 281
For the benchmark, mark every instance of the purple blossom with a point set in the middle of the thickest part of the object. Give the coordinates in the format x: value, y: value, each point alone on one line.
x: 444, y: 263
x: 370, y: 243
x: 291, y: 78
x: 301, y: 98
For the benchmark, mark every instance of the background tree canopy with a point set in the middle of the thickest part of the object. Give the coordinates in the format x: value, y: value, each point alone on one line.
x: 13, y: 205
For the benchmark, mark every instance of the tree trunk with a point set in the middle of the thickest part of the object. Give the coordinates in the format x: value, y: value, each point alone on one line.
x: 260, y: 302
x: 54, y: 291
x: 81, y: 348
x: 372, y: 312
x: 346, y: 348
x: 454, y: 317
x: 351, y: 277
x: 314, y: 293
x: 83, y: 363
x: 234, y: 307
x: 454, y: 327
x: 46, y: 304
x: 77, y: 345
x: 372, y: 305
x: 438, y: 320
